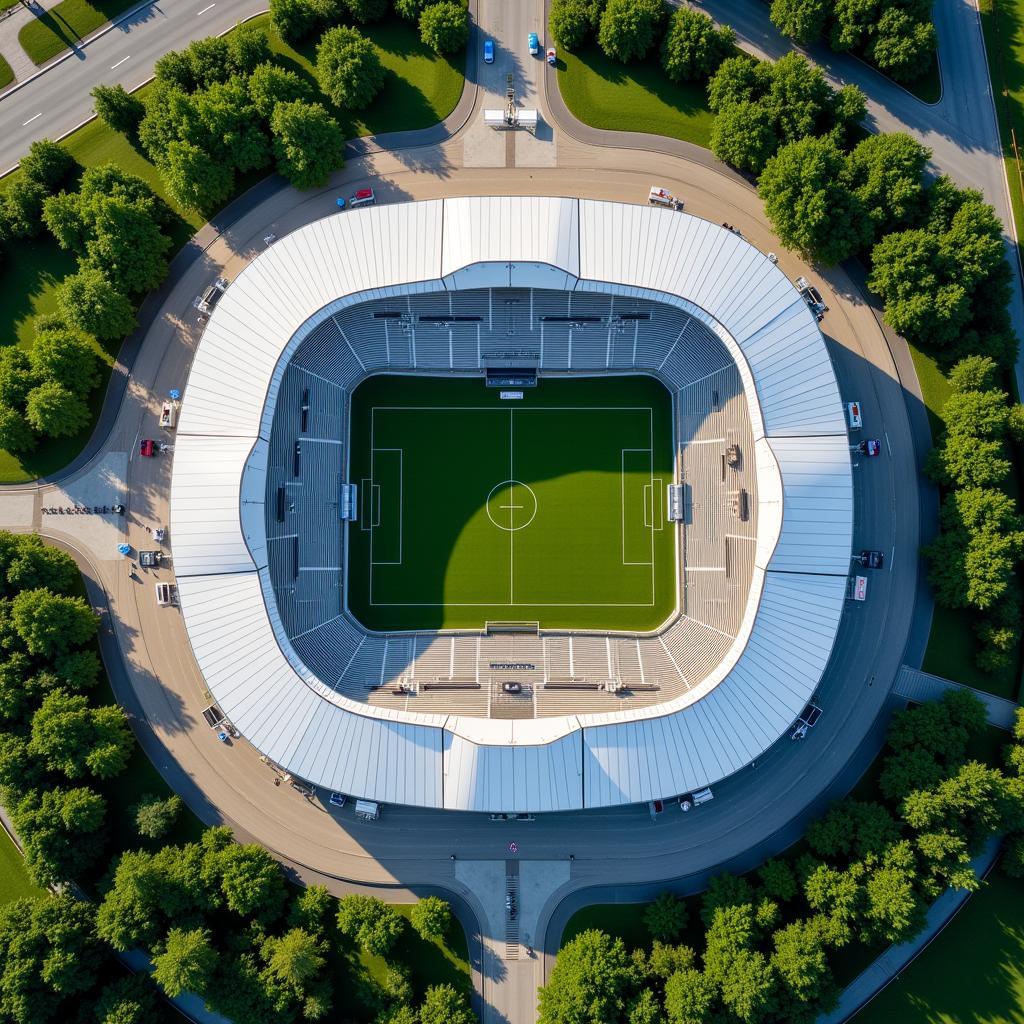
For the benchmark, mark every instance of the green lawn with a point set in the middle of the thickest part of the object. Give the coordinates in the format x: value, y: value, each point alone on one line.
x: 478, y: 509
x: 6, y: 74
x: 973, y: 973
x: 420, y: 90
x: 635, y: 98
x: 14, y: 881
x: 1003, y: 24
x: 65, y: 24
x: 445, y: 962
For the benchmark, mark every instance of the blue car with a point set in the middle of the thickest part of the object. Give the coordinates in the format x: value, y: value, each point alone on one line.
x: 533, y: 44
x: 488, y: 51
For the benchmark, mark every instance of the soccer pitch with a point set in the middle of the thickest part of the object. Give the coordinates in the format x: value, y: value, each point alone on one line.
x: 547, y: 509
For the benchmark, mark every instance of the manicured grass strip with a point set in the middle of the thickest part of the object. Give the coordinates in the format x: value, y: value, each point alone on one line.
x: 971, y: 974
x: 66, y: 24
x: 6, y: 5
x: 1002, y: 22
x: 6, y: 74
x: 14, y: 882
x: 633, y: 97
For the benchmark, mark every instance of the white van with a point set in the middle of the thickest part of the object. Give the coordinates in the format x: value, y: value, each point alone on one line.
x: 368, y: 810
x: 659, y: 196
x: 166, y: 593
x: 853, y: 416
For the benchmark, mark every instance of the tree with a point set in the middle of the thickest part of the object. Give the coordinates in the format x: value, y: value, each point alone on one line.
x: 89, y: 302
x: 15, y: 433
x: 801, y: 963
x: 127, y: 246
x: 231, y: 129
x: 128, y: 1000
x: 902, y: 47
x: 270, y: 85
x: 71, y: 737
x: 293, y: 20
x: 294, y: 959
x: 119, y: 110
x: 689, y: 997
x: 193, y: 179
x: 885, y: 172
x: 802, y: 20
x: 801, y: 100
x: 250, y: 880
x: 693, y: 47
x: 16, y: 378
x: 21, y: 208
x: 744, y: 975
x: 744, y: 136
x: 348, y: 68
x: 186, y: 963
x: 49, y: 164
x: 777, y: 880
x: 155, y: 817
x: 589, y: 982
x: 49, y: 624
x: 209, y: 60
x: 170, y: 117
x: 313, y: 908
x: 61, y: 831
x: 573, y: 22
x: 49, y: 955
x: 665, y: 918
x: 442, y: 1004
x: 308, y: 143
x: 739, y: 79
x: 67, y: 358
x: 373, y: 925
x: 975, y: 373
x: 248, y: 48
x: 431, y: 917
x: 411, y: 9
x: 629, y: 28
x: 444, y: 26
x: 852, y: 23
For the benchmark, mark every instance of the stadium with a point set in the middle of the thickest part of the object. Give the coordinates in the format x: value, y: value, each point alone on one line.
x: 512, y: 504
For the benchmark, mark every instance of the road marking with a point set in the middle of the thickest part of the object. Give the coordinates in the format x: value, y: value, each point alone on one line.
x: 892, y: 557
x: 31, y: 119
x: 119, y: 63
x: 205, y: 9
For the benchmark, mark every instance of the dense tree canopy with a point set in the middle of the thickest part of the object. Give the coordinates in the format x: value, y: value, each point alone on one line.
x: 444, y: 26
x: 308, y: 143
x: 348, y: 68
x: 118, y: 109
x: 629, y: 28
x: 588, y: 983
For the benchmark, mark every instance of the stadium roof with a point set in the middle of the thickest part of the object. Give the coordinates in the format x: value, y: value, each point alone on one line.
x: 804, y: 498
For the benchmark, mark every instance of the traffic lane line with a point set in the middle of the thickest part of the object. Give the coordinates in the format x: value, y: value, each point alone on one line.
x: 120, y: 62
x: 31, y: 119
x: 205, y: 9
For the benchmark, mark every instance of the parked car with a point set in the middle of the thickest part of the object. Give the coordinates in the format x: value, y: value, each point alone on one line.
x: 147, y: 447
x: 551, y: 56
x: 337, y: 799
x: 488, y: 51
x: 364, y: 197
x: 870, y: 447
x: 656, y: 807
x: 533, y: 44
x: 812, y: 297
x: 872, y: 559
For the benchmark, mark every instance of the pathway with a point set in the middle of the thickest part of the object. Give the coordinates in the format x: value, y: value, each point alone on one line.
x: 920, y: 686
x: 10, y: 48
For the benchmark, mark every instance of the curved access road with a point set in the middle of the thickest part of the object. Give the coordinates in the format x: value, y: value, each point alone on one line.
x: 756, y: 813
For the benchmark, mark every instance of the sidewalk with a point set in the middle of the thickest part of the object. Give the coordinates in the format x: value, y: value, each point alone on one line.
x: 10, y: 48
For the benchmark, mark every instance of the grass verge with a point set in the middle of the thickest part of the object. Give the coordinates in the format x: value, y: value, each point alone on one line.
x: 420, y: 90
x: 634, y: 98
x: 1002, y: 22
x: 66, y: 24
x: 6, y: 74
x: 14, y: 881
x: 972, y: 973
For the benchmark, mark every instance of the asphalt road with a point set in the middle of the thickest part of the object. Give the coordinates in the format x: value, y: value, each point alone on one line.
x: 58, y: 100
x: 757, y: 812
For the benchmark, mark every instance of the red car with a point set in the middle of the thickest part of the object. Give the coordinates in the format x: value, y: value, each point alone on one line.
x: 147, y: 447
x: 872, y: 447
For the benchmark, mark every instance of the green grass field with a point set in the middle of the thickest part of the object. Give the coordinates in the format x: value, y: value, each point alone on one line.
x: 973, y: 973
x: 6, y: 74
x: 14, y: 881
x: 550, y: 509
x: 633, y: 97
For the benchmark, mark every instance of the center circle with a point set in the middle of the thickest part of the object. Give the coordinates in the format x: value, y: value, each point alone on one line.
x: 511, y: 505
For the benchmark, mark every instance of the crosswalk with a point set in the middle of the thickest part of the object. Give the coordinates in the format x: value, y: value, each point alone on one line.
x: 512, y: 910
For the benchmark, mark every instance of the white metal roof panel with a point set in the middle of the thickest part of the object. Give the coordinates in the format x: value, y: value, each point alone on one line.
x: 817, y: 518
x: 206, y: 490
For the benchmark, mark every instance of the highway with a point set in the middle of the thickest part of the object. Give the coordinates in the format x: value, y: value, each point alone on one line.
x: 757, y: 812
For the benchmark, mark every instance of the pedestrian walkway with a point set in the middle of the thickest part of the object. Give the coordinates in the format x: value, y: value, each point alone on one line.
x: 10, y: 48
x: 896, y: 959
x: 921, y: 686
